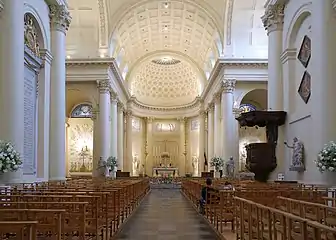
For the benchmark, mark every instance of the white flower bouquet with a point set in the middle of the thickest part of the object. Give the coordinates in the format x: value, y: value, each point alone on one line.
x: 111, y: 162
x: 217, y: 162
x: 10, y: 160
x: 326, y: 159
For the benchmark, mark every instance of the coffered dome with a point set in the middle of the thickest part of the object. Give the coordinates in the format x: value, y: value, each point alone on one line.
x: 165, y: 81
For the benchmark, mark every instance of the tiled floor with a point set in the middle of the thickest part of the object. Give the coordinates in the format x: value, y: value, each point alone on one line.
x: 166, y: 215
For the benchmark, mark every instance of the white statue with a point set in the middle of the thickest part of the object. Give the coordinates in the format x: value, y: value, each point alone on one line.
x: 298, y: 155
x: 102, y: 170
x: 230, y: 166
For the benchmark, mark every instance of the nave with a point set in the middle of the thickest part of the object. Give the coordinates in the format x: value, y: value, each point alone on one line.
x: 166, y: 215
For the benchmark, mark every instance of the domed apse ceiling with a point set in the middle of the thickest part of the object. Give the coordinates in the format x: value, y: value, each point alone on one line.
x: 165, y: 81
x: 176, y: 26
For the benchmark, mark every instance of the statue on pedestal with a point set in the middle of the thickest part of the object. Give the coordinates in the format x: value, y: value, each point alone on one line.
x: 102, y: 169
x: 298, y: 155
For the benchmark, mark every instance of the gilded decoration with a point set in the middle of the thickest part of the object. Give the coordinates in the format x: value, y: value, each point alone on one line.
x: 31, y: 37
x: 305, y: 51
x: 305, y: 87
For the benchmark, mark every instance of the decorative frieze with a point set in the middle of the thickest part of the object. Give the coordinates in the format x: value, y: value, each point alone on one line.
x: 104, y: 86
x: 60, y: 18
x: 274, y: 17
x: 228, y: 85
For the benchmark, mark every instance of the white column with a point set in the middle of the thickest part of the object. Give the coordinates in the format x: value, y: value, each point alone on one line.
x: 149, y: 134
x: 182, y: 152
x: 217, y: 142
x: 210, y: 133
x: 96, y: 148
x: 11, y: 79
x: 114, y: 125
x: 201, y: 144
x: 323, y: 72
x: 273, y: 23
x: 129, y: 152
x: 104, y: 119
x: 120, y: 137
x: 59, y: 24
x: 228, y: 86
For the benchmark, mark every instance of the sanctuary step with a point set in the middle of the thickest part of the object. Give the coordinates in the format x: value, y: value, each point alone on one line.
x: 165, y: 214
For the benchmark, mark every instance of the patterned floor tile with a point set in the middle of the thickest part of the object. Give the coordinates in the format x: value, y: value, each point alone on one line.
x: 166, y: 215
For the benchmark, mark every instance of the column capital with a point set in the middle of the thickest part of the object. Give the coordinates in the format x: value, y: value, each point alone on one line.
x: 104, y: 86
x: 113, y: 97
x: 217, y: 97
x: 237, y: 112
x: 129, y: 113
x: 181, y: 119
x: 149, y: 119
x: 228, y: 85
x: 211, y: 107
x: 60, y: 18
x: 273, y: 18
x: 121, y: 107
x: 95, y: 113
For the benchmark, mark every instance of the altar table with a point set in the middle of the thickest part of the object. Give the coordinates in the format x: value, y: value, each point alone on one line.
x: 170, y: 171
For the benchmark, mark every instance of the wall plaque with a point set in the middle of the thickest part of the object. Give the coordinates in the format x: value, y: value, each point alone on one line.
x: 30, y: 116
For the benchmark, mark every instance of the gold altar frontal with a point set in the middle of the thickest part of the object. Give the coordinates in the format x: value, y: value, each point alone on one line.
x: 165, y: 171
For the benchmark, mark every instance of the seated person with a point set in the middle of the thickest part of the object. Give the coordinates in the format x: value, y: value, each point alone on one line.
x: 204, y: 191
x: 228, y: 186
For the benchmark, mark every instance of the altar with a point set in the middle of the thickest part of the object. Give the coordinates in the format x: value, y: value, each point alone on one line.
x: 165, y: 171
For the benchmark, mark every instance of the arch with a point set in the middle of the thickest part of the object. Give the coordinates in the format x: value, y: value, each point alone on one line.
x: 29, y: 9
x: 299, y: 16
x: 256, y: 97
x: 82, y: 110
x: 139, y: 37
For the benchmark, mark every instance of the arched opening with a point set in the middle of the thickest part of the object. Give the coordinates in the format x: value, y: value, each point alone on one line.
x: 80, y: 140
x: 252, y: 101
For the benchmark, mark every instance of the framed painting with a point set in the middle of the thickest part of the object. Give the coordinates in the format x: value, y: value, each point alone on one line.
x: 305, y: 51
x: 305, y: 87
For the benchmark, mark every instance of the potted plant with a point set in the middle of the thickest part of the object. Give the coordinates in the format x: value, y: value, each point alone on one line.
x: 326, y: 159
x: 10, y: 160
x: 112, y: 164
x: 217, y: 163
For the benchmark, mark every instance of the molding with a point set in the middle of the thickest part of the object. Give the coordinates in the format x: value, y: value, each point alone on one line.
x: 46, y: 56
x: 334, y: 4
x: 288, y: 54
x: 231, y: 63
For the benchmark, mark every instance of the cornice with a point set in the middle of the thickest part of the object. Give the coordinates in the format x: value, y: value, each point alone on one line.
x: 89, y: 62
x: 116, y: 73
x: 232, y: 63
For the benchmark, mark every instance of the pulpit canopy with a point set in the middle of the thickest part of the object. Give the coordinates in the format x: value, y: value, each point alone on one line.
x: 262, y: 118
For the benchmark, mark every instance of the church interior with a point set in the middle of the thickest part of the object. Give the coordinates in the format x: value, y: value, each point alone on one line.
x: 167, y: 119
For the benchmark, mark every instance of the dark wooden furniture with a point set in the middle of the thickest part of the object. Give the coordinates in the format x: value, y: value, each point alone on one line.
x: 261, y: 157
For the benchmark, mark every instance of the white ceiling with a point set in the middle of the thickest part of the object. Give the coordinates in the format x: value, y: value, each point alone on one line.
x: 165, y: 81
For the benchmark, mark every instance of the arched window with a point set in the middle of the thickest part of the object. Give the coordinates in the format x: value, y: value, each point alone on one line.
x: 246, y: 107
x: 82, y: 111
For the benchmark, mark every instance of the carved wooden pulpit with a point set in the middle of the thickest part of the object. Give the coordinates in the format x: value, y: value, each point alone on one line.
x: 261, y: 157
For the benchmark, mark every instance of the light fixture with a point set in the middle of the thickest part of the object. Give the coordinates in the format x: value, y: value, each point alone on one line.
x: 166, y: 4
x: 68, y: 57
x: 102, y: 55
x: 165, y: 27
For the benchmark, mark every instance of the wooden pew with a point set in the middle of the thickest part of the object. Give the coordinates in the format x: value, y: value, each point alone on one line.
x: 313, y: 211
x: 107, y: 203
x: 256, y: 221
x: 49, y: 225
x: 22, y: 230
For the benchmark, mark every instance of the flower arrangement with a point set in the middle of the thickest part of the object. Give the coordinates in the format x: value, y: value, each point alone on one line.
x: 10, y: 160
x: 111, y: 162
x: 326, y: 159
x: 217, y: 162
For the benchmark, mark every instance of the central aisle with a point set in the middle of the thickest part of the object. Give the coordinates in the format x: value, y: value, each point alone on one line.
x: 166, y: 215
